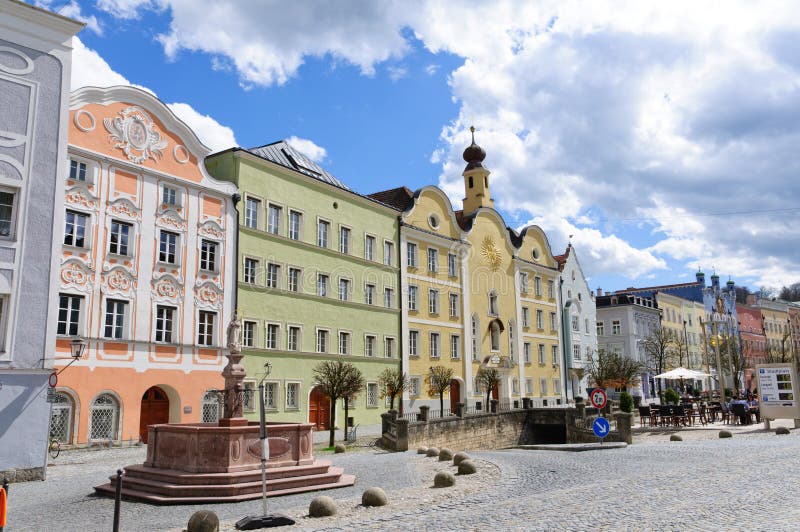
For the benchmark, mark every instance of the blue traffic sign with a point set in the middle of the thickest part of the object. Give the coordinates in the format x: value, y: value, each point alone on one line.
x: 601, y: 427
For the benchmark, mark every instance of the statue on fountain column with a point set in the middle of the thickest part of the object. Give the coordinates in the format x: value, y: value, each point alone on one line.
x: 234, y: 374
x: 235, y: 334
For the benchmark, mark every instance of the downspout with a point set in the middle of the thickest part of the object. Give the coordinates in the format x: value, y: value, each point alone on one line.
x: 564, y: 308
x: 236, y: 197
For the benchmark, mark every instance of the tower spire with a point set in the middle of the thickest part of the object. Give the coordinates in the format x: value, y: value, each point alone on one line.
x: 476, y: 178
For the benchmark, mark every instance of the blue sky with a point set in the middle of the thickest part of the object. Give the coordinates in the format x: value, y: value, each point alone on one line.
x: 624, y: 124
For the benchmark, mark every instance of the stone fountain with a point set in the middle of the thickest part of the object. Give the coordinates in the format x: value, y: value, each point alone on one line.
x: 221, y: 462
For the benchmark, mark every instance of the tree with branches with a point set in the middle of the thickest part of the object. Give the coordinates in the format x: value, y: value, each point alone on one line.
x: 613, y: 370
x: 338, y: 379
x: 487, y: 379
x: 658, y: 349
x: 392, y: 382
x: 439, y: 378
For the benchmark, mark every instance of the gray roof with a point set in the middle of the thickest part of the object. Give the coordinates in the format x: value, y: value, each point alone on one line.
x: 283, y: 154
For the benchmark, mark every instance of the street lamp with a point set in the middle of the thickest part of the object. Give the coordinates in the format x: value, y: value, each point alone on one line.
x: 77, y: 346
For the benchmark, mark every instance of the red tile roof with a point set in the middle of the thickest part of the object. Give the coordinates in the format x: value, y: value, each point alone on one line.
x: 398, y: 198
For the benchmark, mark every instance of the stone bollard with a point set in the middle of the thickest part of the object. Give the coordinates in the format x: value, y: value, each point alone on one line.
x: 460, y: 409
x: 423, y: 414
x: 203, y: 521
x: 402, y: 435
x: 581, y: 408
x: 385, y: 423
x: 392, y: 415
x: 494, y: 404
x: 624, y: 422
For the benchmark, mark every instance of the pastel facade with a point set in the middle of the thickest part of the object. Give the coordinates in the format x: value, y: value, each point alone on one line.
x: 146, y: 270
x: 754, y: 341
x: 35, y: 66
x: 318, y: 280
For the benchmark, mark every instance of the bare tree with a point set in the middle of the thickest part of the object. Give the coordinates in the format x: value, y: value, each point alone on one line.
x: 487, y: 379
x: 392, y: 382
x: 657, y: 348
x: 613, y: 370
x: 790, y: 293
x: 741, y: 294
x: 678, y: 351
x: 338, y: 379
x: 439, y: 378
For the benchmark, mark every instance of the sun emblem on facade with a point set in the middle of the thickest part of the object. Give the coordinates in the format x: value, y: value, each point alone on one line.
x: 491, y: 253
x: 134, y: 132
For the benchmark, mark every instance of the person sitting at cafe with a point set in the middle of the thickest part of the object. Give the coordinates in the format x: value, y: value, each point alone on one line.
x: 743, y: 419
x: 753, y: 406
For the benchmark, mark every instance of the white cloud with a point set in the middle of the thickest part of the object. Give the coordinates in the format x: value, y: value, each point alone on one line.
x: 397, y: 72
x: 431, y: 69
x: 73, y: 10
x: 308, y: 148
x: 209, y: 131
x: 127, y: 9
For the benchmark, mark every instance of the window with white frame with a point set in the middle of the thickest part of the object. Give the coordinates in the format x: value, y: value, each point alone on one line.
x: 369, y: 345
x: 574, y: 321
x: 476, y: 344
x: 554, y: 352
x: 251, y: 208
x: 293, y: 395
x: 344, y: 240
x: 248, y: 333
x: 274, y: 219
x: 515, y: 385
x: 77, y: 170
x: 414, y: 386
x: 388, y: 253
x: 8, y: 202
x: 118, y: 238
x: 435, y: 350
x: 369, y: 247
x: 455, y: 346
x: 165, y: 323
x: 523, y: 282
x: 551, y: 289
x: 208, y: 255
x: 295, y: 224
x: 273, y: 275
x: 323, y: 228
x: 529, y: 386
x: 388, y: 347
x: 294, y: 280
x: 273, y: 333
x: 541, y: 354
x: 413, y: 293
x: 372, y: 394
x: 494, y: 329
x: 616, y: 327
x: 576, y: 352
x: 344, y: 289
x: 512, y: 348
x: 411, y: 253
x: 526, y: 317
x: 453, y: 305
x: 167, y: 247
x: 249, y: 396
x: 552, y: 321
x: 322, y: 341
x: 103, y: 418
x: 250, y: 270
x: 556, y: 386
x: 369, y: 294
x: 601, y: 328
x: 588, y: 352
x: 452, y: 265
x: 543, y: 386
x: 526, y: 350
x: 433, y: 260
x: 169, y: 196
x: 69, y: 314
x: 388, y: 297
x: 586, y: 325
x: 413, y: 343
x: 539, y: 319
x: 271, y: 395
x: 115, y: 319
x: 293, y: 338
x: 322, y: 285
x: 75, y: 229
x: 492, y: 303
x: 537, y: 286
x: 433, y: 301
x: 205, y: 328
x: 344, y: 343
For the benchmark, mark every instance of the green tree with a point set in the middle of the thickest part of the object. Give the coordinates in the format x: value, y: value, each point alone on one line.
x: 392, y: 382
x: 338, y: 379
x: 487, y: 379
x: 439, y: 378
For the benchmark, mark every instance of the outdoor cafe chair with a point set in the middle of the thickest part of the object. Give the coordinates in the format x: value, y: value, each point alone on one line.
x: 644, y: 416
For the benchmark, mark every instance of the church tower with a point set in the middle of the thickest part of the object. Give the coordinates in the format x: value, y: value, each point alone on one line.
x: 476, y: 178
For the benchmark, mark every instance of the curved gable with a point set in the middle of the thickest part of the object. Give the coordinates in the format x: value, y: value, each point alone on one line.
x: 484, y: 218
x: 429, y: 201
x: 533, y: 239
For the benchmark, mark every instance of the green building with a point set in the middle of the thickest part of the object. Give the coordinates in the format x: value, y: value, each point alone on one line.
x: 318, y: 280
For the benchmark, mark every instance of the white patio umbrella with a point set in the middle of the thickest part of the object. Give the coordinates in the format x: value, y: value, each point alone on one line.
x: 682, y: 373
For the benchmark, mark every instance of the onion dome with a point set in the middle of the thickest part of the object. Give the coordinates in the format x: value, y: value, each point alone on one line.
x: 474, y: 154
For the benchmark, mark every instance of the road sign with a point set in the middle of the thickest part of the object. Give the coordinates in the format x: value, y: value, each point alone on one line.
x: 601, y: 427
x: 51, y: 395
x: 598, y: 398
x: 52, y: 380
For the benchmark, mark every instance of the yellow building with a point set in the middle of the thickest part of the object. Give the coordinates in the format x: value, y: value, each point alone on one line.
x: 775, y: 316
x: 682, y: 318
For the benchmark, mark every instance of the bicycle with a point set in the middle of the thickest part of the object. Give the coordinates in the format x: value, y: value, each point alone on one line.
x: 54, y: 448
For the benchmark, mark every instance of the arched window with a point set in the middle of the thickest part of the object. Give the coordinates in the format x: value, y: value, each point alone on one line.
x: 210, y: 407
x: 476, y: 344
x: 103, y: 417
x: 511, y: 348
x: 470, y: 181
x: 61, y: 416
x: 495, y: 330
x: 492, y: 303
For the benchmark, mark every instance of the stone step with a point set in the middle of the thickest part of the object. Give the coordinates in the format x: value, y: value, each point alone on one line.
x: 253, y: 475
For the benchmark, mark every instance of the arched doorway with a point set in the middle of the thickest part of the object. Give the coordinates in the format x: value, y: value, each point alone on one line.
x: 455, y: 395
x: 496, y: 392
x: 319, y: 409
x: 154, y: 411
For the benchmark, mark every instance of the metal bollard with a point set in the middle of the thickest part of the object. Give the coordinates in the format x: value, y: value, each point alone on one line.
x: 117, y: 499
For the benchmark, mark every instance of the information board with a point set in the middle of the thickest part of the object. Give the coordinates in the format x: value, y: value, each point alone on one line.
x: 777, y: 391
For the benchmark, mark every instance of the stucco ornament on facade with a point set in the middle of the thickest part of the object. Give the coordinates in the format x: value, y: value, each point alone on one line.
x: 124, y: 207
x: 167, y: 288
x: 171, y: 219
x: 134, y: 132
x: 211, y: 229
x: 119, y: 281
x: 491, y: 254
x: 80, y: 197
x: 75, y: 274
x: 208, y: 294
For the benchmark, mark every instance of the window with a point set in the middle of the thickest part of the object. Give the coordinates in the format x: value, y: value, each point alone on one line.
x: 413, y: 343
x: 169, y: 196
x: 322, y: 233
x: 293, y: 338
x: 512, y: 350
x: 453, y: 305
x: 557, y: 386
x: 69, y: 314
x: 249, y: 333
x: 495, y: 336
x: 61, y: 416
x: 526, y: 317
x: 164, y: 323
x: 115, y: 319
x: 294, y: 279
x: 249, y: 396
x: 455, y: 346
x: 372, y: 394
x: 576, y: 352
x: 270, y: 395
x: 586, y: 325
x: 551, y: 289
x: 322, y: 341
x: 616, y: 327
x: 388, y: 347
x: 104, y: 416
x: 252, y: 206
x: 554, y: 353
x: 205, y: 328
x: 344, y: 240
x: 411, y: 251
x: 543, y: 386
x: 539, y: 319
x: 344, y: 289
x: 369, y: 248
x: 250, y: 269
x: 7, y: 215
x: 344, y: 343
x: 369, y: 294
x: 575, y: 325
x: 273, y: 274
x: 601, y: 328
x: 388, y: 297
x: 537, y: 286
x: 529, y: 386
x: 210, y: 406
x: 75, y: 229
x: 273, y: 333
x: 552, y: 321
x: 435, y: 351
x: 293, y: 395
x: 523, y: 282
x: 476, y: 346
x: 295, y: 224
x: 433, y: 260
x: 274, y: 220
x: 167, y: 244
x: 541, y: 354
x: 515, y: 385
x: 492, y: 303
x: 388, y: 251
x: 77, y: 170
x: 588, y: 352
x: 369, y: 345
x: 451, y: 265
x: 414, y: 386
x: 433, y: 301
x: 208, y: 255
x: 526, y: 350
x: 118, y: 238
x: 413, y: 292
x: 322, y: 285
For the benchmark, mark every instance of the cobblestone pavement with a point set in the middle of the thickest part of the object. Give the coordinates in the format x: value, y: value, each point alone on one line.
x: 702, y: 483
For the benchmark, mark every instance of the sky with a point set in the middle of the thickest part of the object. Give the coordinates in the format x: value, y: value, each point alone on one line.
x: 660, y: 137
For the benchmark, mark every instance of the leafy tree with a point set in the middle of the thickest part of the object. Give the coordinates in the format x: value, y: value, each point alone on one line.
x: 392, y: 382
x: 439, y: 378
x: 613, y: 370
x: 487, y: 379
x: 338, y: 379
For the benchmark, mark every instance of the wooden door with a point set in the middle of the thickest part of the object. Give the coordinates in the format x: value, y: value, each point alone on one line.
x: 155, y: 410
x: 496, y: 392
x: 455, y: 395
x: 319, y: 409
